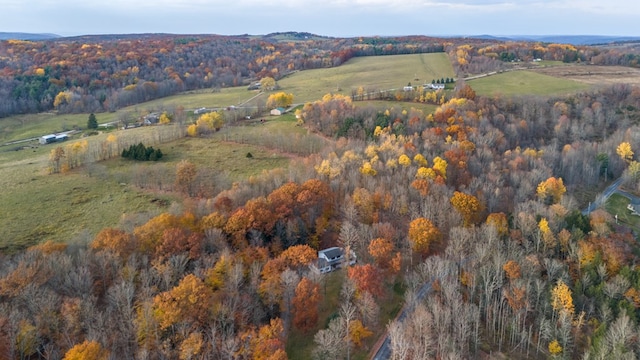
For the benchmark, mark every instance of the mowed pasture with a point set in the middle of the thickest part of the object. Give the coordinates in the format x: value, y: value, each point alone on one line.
x: 524, y: 82
x: 371, y: 73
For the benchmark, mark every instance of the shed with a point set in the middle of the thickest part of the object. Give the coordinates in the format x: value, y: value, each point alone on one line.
x: 278, y: 111
x: 47, y: 139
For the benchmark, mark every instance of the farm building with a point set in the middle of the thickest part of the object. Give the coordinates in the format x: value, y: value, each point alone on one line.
x: 278, y: 111
x: 47, y: 139
x: 434, y: 86
x: 52, y: 138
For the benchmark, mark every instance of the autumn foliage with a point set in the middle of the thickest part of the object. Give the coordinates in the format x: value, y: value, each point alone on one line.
x: 422, y: 234
x: 305, y: 305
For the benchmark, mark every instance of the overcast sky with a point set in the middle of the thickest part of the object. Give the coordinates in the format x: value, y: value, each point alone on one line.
x: 340, y: 18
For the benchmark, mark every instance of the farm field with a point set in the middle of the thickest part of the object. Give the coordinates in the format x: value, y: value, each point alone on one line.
x: 524, y: 82
x: 374, y: 72
x: 78, y: 204
x: 593, y: 74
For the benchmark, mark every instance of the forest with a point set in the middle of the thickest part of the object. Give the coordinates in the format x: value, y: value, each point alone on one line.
x: 469, y: 217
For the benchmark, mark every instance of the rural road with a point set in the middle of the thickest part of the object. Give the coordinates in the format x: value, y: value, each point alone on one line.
x: 602, y: 198
x: 384, y: 351
x: 35, y: 138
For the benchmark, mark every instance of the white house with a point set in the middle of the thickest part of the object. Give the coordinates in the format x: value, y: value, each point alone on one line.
x: 634, y: 206
x: 434, y: 86
x: 332, y: 259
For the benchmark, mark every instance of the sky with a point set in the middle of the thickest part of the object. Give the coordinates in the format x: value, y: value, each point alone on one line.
x: 339, y: 18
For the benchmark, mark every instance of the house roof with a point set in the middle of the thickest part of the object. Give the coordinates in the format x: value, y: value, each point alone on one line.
x: 332, y: 252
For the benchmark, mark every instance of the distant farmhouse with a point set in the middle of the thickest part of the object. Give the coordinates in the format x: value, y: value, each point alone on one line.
x: 151, y: 119
x: 52, y: 138
x: 331, y: 259
x: 434, y: 86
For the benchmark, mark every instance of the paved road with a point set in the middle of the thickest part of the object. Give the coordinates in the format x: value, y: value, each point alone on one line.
x: 602, y: 198
x: 384, y: 351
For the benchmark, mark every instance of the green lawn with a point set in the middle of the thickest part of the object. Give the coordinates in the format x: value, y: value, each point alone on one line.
x: 523, y: 82
x: 617, y: 204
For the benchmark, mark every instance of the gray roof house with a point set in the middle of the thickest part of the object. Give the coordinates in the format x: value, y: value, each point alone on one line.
x: 331, y: 259
x: 634, y: 206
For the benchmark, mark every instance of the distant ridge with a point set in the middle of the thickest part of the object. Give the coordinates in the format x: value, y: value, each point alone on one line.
x: 26, y: 36
x: 562, y: 39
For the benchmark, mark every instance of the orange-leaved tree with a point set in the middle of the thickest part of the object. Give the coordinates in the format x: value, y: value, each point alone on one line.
x: 116, y: 240
x: 367, y: 278
x: 88, y: 350
x: 422, y: 233
x: 305, y: 305
x: 189, y: 303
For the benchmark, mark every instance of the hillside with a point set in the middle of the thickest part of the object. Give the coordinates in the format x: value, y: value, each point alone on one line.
x: 462, y: 210
x: 26, y: 36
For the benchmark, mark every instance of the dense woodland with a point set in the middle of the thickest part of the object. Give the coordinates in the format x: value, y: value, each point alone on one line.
x: 475, y: 206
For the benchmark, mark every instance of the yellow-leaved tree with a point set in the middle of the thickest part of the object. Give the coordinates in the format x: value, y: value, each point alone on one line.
x: 208, y: 123
x: 88, y: 350
x: 468, y: 206
x: 279, y: 99
x: 561, y: 299
x: 267, y: 83
x: 551, y: 190
x: 404, y: 160
x: 624, y: 151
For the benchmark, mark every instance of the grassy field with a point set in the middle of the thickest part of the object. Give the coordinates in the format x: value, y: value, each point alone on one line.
x: 27, y: 126
x: 376, y: 72
x: 524, y: 83
x: 37, y: 206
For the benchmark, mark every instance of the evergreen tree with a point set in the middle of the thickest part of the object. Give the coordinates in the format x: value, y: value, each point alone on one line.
x: 92, y: 123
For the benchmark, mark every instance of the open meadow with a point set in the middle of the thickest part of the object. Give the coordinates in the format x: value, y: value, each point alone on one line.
x: 524, y: 82
x: 372, y: 73
x: 38, y: 206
